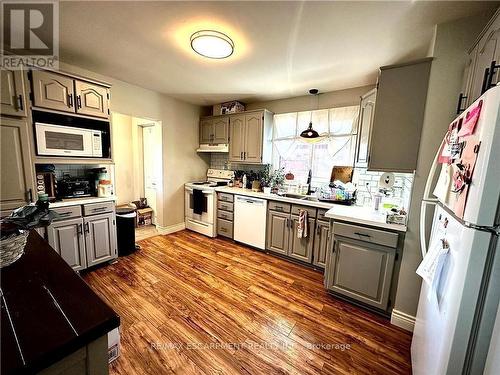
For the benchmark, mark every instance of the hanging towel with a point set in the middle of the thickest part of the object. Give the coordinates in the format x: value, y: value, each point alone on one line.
x: 302, y: 226
x: 198, y: 201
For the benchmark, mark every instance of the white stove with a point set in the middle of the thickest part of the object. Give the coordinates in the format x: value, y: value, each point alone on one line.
x: 200, y: 201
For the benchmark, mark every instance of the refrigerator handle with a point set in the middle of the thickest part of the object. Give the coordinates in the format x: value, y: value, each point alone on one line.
x: 423, y: 225
x: 432, y: 172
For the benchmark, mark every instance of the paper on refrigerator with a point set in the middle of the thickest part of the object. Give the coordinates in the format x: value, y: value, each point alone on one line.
x: 432, y: 264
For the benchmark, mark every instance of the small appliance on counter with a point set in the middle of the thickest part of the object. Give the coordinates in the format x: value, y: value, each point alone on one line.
x: 71, y: 187
x: 105, y: 189
x: 46, y: 181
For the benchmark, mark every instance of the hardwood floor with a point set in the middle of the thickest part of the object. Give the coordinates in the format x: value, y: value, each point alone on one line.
x: 194, y: 305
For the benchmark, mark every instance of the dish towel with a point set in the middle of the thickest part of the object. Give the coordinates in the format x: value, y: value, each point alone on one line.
x: 302, y: 226
x: 198, y: 201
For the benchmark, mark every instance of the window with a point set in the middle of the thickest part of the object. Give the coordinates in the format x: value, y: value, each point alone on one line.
x: 337, y: 126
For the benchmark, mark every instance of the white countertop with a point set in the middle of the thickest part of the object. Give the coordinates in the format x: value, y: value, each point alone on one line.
x: 78, y: 201
x: 354, y: 214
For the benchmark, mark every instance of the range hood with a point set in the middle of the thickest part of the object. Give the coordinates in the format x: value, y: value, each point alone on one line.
x: 205, y: 147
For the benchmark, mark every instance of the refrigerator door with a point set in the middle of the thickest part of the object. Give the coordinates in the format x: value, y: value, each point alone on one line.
x: 446, y: 313
x: 484, y: 191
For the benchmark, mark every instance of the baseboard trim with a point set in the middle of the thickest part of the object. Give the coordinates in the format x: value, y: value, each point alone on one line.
x: 171, y: 228
x: 403, y: 320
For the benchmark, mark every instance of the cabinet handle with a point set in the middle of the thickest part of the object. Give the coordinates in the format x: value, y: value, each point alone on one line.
x: 30, y: 195
x: 493, y: 68
x: 70, y: 100
x: 244, y: 155
x: 362, y: 234
x: 223, y: 229
x: 241, y: 155
x: 87, y: 230
x: 461, y: 97
x: 485, y: 79
x: 333, y: 246
x: 79, y: 101
x: 20, y: 102
x: 79, y: 229
x: 98, y: 209
x: 318, y: 230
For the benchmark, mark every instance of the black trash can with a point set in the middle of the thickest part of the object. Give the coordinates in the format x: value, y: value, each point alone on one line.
x: 125, y: 230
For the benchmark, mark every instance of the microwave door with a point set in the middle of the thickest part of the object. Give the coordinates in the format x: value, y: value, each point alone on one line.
x: 63, y: 141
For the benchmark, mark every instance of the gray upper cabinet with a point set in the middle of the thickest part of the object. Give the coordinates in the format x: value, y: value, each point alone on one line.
x: 220, y: 130
x: 278, y: 232
x: 214, y: 130
x: 53, y: 91
x: 16, y: 184
x: 321, y: 243
x: 66, y: 237
x: 250, y: 139
x: 365, y: 121
x: 91, y: 99
x: 302, y: 248
x: 361, y: 271
x: 13, y: 96
x: 206, y: 130
x: 399, y: 112
x: 236, y: 138
x: 481, y: 57
x: 100, y: 238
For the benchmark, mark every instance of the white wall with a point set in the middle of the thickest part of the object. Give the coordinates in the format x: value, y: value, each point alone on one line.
x: 179, y: 120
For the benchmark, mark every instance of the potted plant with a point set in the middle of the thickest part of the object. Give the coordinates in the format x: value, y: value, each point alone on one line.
x: 277, y: 178
x: 266, y: 179
x: 15, y: 228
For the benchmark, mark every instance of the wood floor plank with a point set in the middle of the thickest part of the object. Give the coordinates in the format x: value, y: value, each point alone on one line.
x: 194, y: 305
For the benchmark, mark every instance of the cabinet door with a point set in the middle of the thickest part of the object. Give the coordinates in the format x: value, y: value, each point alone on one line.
x: 321, y: 243
x: 221, y: 130
x: 16, y: 183
x: 53, y: 91
x: 362, y: 271
x: 487, y: 51
x: 278, y: 232
x: 301, y: 248
x: 91, y: 99
x: 66, y: 237
x: 13, y: 97
x: 398, y: 118
x: 100, y: 238
x: 206, y: 130
x: 236, y: 138
x: 252, y: 152
x: 365, y: 120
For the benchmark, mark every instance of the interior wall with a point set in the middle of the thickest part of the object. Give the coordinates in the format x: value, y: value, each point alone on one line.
x: 179, y: 121
x: 451, y: 44
x: 329, y: 99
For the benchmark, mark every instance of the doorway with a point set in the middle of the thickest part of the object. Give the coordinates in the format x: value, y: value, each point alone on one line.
x: 137, y: 154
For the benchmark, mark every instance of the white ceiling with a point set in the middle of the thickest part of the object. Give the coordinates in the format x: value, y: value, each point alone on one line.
x: 281, y: 48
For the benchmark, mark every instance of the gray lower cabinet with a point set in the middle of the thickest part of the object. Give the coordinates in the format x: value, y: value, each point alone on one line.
x: 321, y: 243
x: 278, y: 232
x: 67, y: 239
x: 100, y: 238
x: 301, y: 248
x: 225, y: 214
x: 16, y: 184
x: 360, y: 264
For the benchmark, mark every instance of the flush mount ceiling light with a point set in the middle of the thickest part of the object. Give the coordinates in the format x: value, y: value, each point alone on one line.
x: 212, y: 44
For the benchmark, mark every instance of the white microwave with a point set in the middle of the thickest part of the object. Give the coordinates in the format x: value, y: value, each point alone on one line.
x: 56, y: 140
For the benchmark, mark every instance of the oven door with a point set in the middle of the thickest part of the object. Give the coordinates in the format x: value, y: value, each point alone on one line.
x: 55, y: 140
x: 208, y: 214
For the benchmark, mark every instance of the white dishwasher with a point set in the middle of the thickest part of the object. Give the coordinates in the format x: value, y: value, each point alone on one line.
x: 250, y: 221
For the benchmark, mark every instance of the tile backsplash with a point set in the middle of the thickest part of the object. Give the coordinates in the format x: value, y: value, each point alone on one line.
x: 361, y: 177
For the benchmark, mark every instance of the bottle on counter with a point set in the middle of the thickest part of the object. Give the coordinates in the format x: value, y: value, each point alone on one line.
x: 244, y: 181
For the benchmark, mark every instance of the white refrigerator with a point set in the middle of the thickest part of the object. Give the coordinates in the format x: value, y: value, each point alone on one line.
x: 457, y: 311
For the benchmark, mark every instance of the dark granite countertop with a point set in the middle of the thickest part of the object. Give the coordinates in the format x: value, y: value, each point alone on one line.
x: 47, y: 310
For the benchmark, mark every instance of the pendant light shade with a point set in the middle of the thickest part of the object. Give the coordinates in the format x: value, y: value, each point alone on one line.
x: 310, y: 135
x: 309, y: 132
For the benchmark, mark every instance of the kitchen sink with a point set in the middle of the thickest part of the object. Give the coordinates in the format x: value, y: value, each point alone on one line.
x: 301, y: 197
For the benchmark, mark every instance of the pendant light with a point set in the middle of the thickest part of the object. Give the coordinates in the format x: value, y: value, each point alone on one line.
x: 310, y: 135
